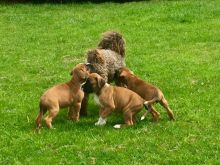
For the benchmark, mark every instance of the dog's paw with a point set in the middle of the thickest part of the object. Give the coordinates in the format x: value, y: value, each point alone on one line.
x: 101, y: 121
x: 142, y: 117
x: 99, y: 124
x: 117, y: 126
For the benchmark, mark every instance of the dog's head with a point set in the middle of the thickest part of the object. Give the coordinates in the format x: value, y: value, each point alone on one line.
x: 81, y: 71
x: 94, y: 57
x: 113, y: 41
x: 122, y: 75
x: 94, y: 83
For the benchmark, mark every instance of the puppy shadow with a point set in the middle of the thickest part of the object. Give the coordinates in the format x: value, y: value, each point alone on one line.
x: 62, y: 124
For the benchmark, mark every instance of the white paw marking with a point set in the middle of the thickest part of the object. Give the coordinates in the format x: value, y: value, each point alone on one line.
x: 117, y: 126
x: 101, y: 121
x: 142, y: 117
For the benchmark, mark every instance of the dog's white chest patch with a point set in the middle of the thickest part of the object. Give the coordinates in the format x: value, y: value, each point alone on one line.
x: 96, y: 98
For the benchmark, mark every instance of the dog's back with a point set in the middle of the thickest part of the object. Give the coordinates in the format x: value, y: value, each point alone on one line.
x: 114, y: 61
x: 108, y: 56
x: 58, y: 94
x: 145, y: 90
x: 105, y: 62
x: 125, y: 98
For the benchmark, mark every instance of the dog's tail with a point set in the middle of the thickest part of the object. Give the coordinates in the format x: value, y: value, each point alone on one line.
x: 113, y: 41
x: 40, y: 115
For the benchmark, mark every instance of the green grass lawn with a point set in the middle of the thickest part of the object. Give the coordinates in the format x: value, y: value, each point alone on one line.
x: 172, y: 44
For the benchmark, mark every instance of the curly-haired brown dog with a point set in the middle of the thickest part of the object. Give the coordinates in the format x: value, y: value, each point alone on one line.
x: 106, y: 59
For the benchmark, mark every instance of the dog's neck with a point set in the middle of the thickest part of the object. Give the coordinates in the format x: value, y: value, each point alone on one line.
x: 75, y: 82
x: 98, y: 92
x: 131, y: 81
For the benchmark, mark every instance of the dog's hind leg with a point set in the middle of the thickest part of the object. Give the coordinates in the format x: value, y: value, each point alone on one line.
x: 40, y: 115
x: 52, y: 114
x: 128, y: 116
x: 153, y: 112
x: 134, y: 119
x: 164, y: 103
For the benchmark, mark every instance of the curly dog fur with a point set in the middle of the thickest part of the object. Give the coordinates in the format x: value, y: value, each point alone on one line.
x: 107, y: 58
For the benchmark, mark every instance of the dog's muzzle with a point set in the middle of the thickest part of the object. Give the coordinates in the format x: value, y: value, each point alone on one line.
x: 87, y: 87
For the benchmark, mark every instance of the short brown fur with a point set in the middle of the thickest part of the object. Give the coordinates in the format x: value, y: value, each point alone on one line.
x: 148, y: 92
x: 114, y: 98
x: 64, y: 95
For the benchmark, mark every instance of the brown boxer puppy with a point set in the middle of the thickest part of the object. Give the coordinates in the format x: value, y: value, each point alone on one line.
x: 112, y: 98
x: 148, y: 92
x: 64, y: 95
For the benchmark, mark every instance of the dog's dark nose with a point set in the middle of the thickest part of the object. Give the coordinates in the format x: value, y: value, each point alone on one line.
x: 87, y: 87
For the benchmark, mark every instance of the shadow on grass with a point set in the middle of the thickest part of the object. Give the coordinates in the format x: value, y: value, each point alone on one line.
x: 62, y: 124
x: 87, y: 123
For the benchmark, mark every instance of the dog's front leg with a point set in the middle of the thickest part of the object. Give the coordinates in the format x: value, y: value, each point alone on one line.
x: 103, y: 113
x: 74, y: 111
x: 83, y: 110
x: 70, y: 112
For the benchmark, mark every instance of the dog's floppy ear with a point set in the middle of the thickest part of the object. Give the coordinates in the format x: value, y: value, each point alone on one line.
x: 100, y: 82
